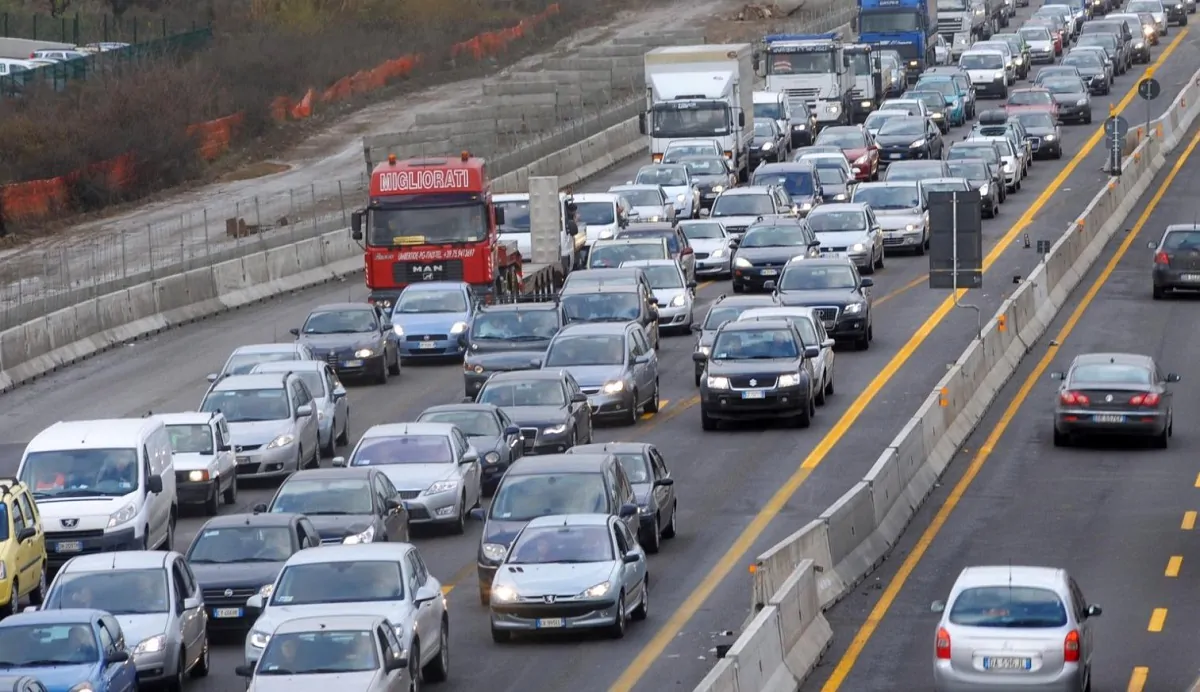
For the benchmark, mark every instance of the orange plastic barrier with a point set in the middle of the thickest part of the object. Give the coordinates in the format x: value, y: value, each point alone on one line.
x: 494, y: 43
x: 215, y: 136
x: 33, y: 200
x: 280, y: 108
x: 303, y: 109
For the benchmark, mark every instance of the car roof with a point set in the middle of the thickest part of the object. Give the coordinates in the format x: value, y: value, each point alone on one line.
x: 402, y: 429
x: 1017, y: 575
x: 600, y: 273
x: 631, y: 187
x: 118, y: 560
x: 52, y: 616
x: 611, y: 448
x: 187, y: 418
x: 262, y: 519
x: 760, y: 299
x: 437, y: 286
x: 747, y: 190
x: 897, y: 183
x: 578, y: 289
x: 333, y: 307
x: 691, y: 142
x: 558, y: 463
x: 755, y: 325
x: 265, y: 348
x: 595, y: 197
x: 382, y: 551
x: 651, y: 263
x: 1114, y: 358
x: 448, y: 408
x: 839, y: 206
x: 289, y: 366
x: 314, y: 623
x: 779, y: 311
x: 655, y: 166
x: 931, y: 181
x: 553, y: 520
x: 820, y: 261
x: 333, y: 473
x: 92, y: 434
x: 657, y: 239
x: 596, y: 328
x: 785, y: 167
x: 521, y: 305
x: 527, y: 374
x: 258, y: 381
x: 647, y: 230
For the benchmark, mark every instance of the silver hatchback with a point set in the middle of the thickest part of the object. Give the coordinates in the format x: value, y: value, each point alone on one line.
x: 1014, y: 628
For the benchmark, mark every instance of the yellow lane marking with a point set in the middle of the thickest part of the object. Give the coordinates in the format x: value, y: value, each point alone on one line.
x: 911, y: 284
x: 1189, y: 520
x: 1174, y: 565
x: 742, y: 544
x: 1158, y: 618
x: 662, y: 405
x: 868, y: 628
x: 1137, y: 680
x: 462, y: 573
x: 1198, y: 480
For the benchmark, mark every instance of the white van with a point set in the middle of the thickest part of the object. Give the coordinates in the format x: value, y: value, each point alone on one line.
x: 605, y: 214
x: 102, y: 485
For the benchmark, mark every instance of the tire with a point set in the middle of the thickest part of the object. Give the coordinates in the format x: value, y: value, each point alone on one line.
x: 653, y: 405
x: 343, y: 439
x: 707, y: 422
x: 633, y: 410
x: 862, y: 343
x: 328, y: 450
x: 804, y: 419
x: 879, y: 261
x: 828, y: 385
x: 653, y: 540
x: 867, y: 270
x: 414, y: 665
x: 697, y: 379
x: 170, y: 540
x: 439, y: 668
x: 459, y: 527
x: 821, y: 394
x: 1159, y: 293
x: 230, y: 494
x: 1061, y: 439
x: 394, y: 368
x: 617, y: 629
x: 381, y: 377
x: 176, y: 683
x: 643, y: 610
x: 38, y: 595
x: 202, y: 666
x: 212, y: 504
x: 501, y: 636
x: 920, y: 251
x: 1162, y: 441
x: 14, y: 602
x: 671, y: 530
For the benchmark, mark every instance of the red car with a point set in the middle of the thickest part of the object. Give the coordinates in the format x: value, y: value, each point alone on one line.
x: 1037, y: 99
x: 857, y: 145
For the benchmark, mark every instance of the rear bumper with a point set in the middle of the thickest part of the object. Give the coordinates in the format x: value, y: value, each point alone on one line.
x: 1134, y: 424
x: 947, y: 679
x: 1177, y: 279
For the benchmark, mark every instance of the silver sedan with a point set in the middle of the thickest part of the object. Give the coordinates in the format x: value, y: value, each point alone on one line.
x: 712, y: 245
x: 329, y: 398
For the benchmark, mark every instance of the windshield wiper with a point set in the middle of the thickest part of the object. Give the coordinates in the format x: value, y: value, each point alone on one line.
x: 275, y: 671
x: 78, y: 493
x: 322, y: 671
x: 327, y: 514
x: 44, y: 662
x: 529, y: 337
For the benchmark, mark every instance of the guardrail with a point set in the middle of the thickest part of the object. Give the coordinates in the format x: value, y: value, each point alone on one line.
x: 820, y: 563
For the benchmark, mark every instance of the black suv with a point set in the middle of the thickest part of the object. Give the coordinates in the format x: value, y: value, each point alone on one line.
x: 725, y: 309
x: 621, y: 302
x: 509, y: 336
x: 768, y: 245
x: 834, y: 287
x: 758, y: 369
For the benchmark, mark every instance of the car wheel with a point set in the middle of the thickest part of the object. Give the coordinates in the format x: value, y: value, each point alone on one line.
x: 828, y: 385
x: 39, y: 594
x: 707, y: 422
x: 804, y: 418
x: 14, y: 601
x: 1162, y: 440
x: 633, y: 410
x: 643, y: 609
x: 653, y: 404
x: 202, y: 667
x: 1159, y: 293
x: 176, y: 683
x: 820, y: 398
x: 328, y: 450
x: 439, y: 668
x: 920, y: 249
x: 879, y: 260
x: 617, y: 629
x: 653, y: 539
x: 343, y: 438
x: 230, y: 494
x: 1061, y: 439
x: 170, y: 540
x: 394, y: 368
x: 868, y: 269
x: 381, y: 377
x: 212, y: 504
x: 459, y: 527
x: 500, y: 636
x: 671, y: 529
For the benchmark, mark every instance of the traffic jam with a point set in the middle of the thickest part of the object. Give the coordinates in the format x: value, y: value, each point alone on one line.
x: 778, y: 184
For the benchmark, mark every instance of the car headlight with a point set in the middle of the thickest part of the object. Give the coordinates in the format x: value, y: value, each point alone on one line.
x: 122, y: 515
x: 718, y: 188
x: 458, y: 328
x: 1139, y: 45
x: 281, y: 441
x: 1019, y: 60
x: 83, y: 687
x: 768, y: 146
x: 605, y: 235
x: 197, y: 476
x: 833, y: 109
x: 999, y: 75
x: 717, y: 382
x: 655, y: 219
x: 720, y: 252
x: 613, y: 387
x: 477, y: 369
x: 554, y: 429
x: 504, y: 594
x: 789, y: 380
x: 937, y: 116
x: 742, y: 262
x: 840, y: 197
x: 320, y: 415
x: 916, y: 144
x: 865, y: 104
x: 441, y: 487
x: 862, y: 160
x: 979, y: 11
x: 259, y: 639
x: 678, y: 301
x: 1178, y: 6
x: 854, y: 308
x: 266, y: 590
x: 597, y: 591
x: 858, y: 247
x: 364, y: 353
x: 984, y: 188
x: 151, y: 645
x: 491, y: 458
x: 800, y: 127
x: 910, y: 227
x: 494, y: 551
x: 367, y: 536
x: 1008, y: 166
x: 1050, y: 138
x: 397, y: 330
x: 704, y: 349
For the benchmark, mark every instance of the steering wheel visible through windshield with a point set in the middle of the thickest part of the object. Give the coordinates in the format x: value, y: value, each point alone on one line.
x: 563, y: 545
x: 81, y: 472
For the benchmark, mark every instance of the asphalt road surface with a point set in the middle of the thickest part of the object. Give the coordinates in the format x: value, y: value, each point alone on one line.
x: 740, y: 491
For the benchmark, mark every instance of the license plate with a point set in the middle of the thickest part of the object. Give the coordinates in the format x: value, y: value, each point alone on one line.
x: 769, y: 272
x: 68, y: 547
x: 243, y: 460
x: 550, y: 623
x: 1190, y: 277
x: 1007, y: 663
x: 894, y: 156
x: 427, y: 344
x: 353, y: 364
x: 227, y: 612
x: 754, y: 394
x: 1108, y: 419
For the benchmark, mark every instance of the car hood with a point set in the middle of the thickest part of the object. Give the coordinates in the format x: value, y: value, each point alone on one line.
x: 188, y: 461
x: 759, y: 141
x: 1042, y: 132
x: 595, y: 375
x: 58, y: 677
x: 709, y: 245
x: 341, y: 525
x: 236, y: 574
x: 521, y: 356
x: 979, y: 182
x: 143, y: 626
x: 418, y: 476
x: 752, y: 367
x: 313, y: 683
x: 536, y: 415
x: 537, y: 580
x: 397, y: 611
x: 771, y: 254
x: 896, y: 140
x: 501, y: 531
x: 709, y: 180
x: 983, y: 76
x: 673, y: 190
x: 841, y: 238
x: 485, y: 443
x: 839, y: 296
x: 250, y: 433
x: 1068, y: 99
x: 742, y: 220
x: 1090, y: 70
x: 419, y: 324
x: 646, y: 213
x: 897, y: 221
x: 1041, y: 45
x: 90, y: 512
x: 853, y: 154
x: 1031, y: 109
x: 641, y: 492
x: 322, y: 343
x: 666, y: 295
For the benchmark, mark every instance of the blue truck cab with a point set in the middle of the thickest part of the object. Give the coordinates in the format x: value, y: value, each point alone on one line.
x: 905, y: 26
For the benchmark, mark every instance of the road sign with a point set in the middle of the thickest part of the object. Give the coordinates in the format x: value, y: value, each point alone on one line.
x: 1121, y: 125
x: 1149, y: 88
x: 955, y: 240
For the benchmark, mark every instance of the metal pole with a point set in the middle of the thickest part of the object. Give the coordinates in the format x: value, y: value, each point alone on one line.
x: 150, y: 248
x: 1149, y: 139
x: 954, y: 270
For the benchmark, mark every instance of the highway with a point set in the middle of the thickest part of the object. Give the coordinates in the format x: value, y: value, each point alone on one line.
x: 729, y: 482
x: 1119, y: 517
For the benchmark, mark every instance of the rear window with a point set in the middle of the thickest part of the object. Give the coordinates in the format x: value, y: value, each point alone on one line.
x: 1008, y: 606
x: 1111, y: 373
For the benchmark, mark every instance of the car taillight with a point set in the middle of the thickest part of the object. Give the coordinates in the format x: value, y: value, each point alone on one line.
x: 942, y: 644
x: 1161, y: 258
x: 1074, y: 399
x: 1147, y: 399
x: 1071, y: 647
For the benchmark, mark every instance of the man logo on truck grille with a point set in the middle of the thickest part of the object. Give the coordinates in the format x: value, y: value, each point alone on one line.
x: 427, y: 271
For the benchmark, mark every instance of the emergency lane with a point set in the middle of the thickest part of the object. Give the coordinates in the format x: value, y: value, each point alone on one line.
x: 1119, y: 516
x: 166, y: 373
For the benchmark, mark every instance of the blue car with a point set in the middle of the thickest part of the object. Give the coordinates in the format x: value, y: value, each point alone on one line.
x: 951, y: 90
x: 63, y: 649
x: 431, y: 319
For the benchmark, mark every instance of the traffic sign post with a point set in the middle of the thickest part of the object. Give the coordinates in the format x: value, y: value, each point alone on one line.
x: 1115, y: 129
x: 1149, y: 89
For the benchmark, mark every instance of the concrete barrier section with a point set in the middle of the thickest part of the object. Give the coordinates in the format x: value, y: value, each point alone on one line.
x: 758, y: 656
x: 804, y: 633
x: 853, y: 545
x: 773, y: 567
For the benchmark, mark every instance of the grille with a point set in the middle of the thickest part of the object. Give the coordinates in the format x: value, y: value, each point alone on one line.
x: 760, y: 381
x: 247, y: 469
x: 701, y: 255
x: 416, y: 272
x: 1035, y: 143
x: 856, y: 93
x: 802, y: 93
x: 332, y: 541
x: 736, y: 229
x: 892, y: 241
x: 331, y: 358
x: 409, y: 494
x: 950, y: 25
x: 246, y: 448
x: 828, y: 314
x: 529, y: 435
x: 426, y: 337
x: 217, y: 597
x: 767, y: 265
x: 590, y: 390
x: 543, y: 610
x: 418, y: 513
x: 75, y: 535
x: 833, y: 249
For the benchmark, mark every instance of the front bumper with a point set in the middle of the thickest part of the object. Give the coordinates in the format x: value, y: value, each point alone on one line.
x: 752, y: 279
x: 266, y: 463
x: 528, y: 616
x: 669, y: 317
x: 196, y: 492
x: 863, y: 108
x: 903, y: 240
x: 947, y: 679
x: 1042, y: 57
x: 894, y: 154
x: 758, y: 157
x: 1110, y: 423
x: 544, y: 443
x: 991, y: 89
x: 713, y: 265
x: 610, y: 405
x: 492, y: 474
x: 64, y: 545
x: 415, y: 347
x: 155, y: 667
x: 1074, y: 112
x: 862, y: 260
x: 437, y: 508
x: 358, y: 367
x: 848, y: 327
x: 863, y: 171
x: 730, y: 404
x: 486, y: 571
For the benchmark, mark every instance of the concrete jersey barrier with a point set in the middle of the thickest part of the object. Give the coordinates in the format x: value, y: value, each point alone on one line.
x: 848, y: 540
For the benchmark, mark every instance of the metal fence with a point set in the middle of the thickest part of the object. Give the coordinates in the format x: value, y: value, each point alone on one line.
x: 80, y: 29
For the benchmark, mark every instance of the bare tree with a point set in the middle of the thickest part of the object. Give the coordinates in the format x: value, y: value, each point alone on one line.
x: 118, y: 7
x: 58, y: 7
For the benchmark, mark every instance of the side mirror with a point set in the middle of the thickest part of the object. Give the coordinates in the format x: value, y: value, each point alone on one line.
x: 294, y: 331
x: 1093, y: 611
x: 225, y: 448
x: 633, y: 213
x: 154, y: 484
x: 513, y: 430
x: 425, y: 594
x: 392, y: 504
x: 535, y: 362
x: 211, y: 377
x: 470, y: 457
x: 692, y: 284
x: 769, y: 285
x: 579, y: 398
x: 699, y: 357
x: 1057, y: 376
x: 1172, y: 377
x: 26, y: 533
x: 499, y: 212
x: 1152, y: 245
x: 30, y: 609
x: 828, y: 343
x: 697, y: 328
x: 653, y: 300
x: 356, y: 224
x: 192, y: 603
x: 255, y: 602
x: 734, y: 243
x: 741, y: 118
x: 478, y: 514
x: 937, y: 606
x: 395, y: 663
x: 642, y: 359
x: 631, y: 558
x: 628, y: 511
x: 305, y: 410
x: 867, y: 283
x: 704, y: 213
x: 385, y: 325
x: 339, y: 462
x: 119, y: 656
x: 244, y: 671
x: 664, y: 482
x: 642, y: 123
x: 259, y: 508
x: 339, y: 392
x: 812, y: 351
x: 469, y: 399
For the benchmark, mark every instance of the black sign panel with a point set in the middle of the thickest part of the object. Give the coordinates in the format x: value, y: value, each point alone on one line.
x: 405, y: 273
x: 954, y: 214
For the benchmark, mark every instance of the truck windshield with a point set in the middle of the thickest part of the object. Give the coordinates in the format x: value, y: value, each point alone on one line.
x: 885, y: 22
x: 516, y: 216
x: 427, y: 225
x: 801, y: 63
x: 594, y: 213
x: 690, y: 119
x: 862, y: 66
x: 952, y: 5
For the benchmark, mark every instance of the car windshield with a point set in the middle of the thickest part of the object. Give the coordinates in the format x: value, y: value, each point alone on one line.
x: 426, y: 301
x: 664, y: 275
x: 669, y: 236
x: 324, y: 496
x: 642, y: 198
x: 797, y: 183
x: 837, y: 221
x: 702, y: 230
x: 754, y: 344
x: 707, y: 166
x: 232, y: 544
x: 602, y: 307
x: 341, y: 322
x: 243, y: 363
x: 763, y: 128
x: 774, y: 236
x: 357, y: 581
x: 680, y: 150
x: 743, y: 205
x: 422, y: 222
x: 596, y: 213
x: 3, y: 522
x: 931, y: 99
x: 248, y: 405
x: 564, y: 544
x: 843, y: 139
x: 909, y: 171
x: 117, y: 591
x: 720, y: 315
x: 472, y: 423
x: 986, y: 152
x: 1111, y: 373
x: 801, y: 278
x: 637, y: 468
x: 803, y: 324
x: 1030, y: 98
x: 42, y: 646
x: 515, y: 325
x: 877, y: 119
x: 191, y: 439
x: 947, y: 186
x: 907, y: 107
x: 1140, y: 6
x: 1181, y: 240
x: 403, y: 449
x: 616, y: 254
x: 909, y: 127
x: 1009, y: 607
x: 529, y: 393
x: 667, y: 176
x: 1035, y: 34
x: 325, y: 652
x: 981, y: 61
x: 516, y: 216
x: 524, y: 498
x: 593, y: 349
x: 888, y: 196
x: 972, y: 169
x: 81, y: 472
x: 1063, y: 85
x: 944, y: 87
x: 313, y: 379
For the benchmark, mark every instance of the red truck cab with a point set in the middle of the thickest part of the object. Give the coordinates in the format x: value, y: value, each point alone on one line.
x: 432, y: 219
